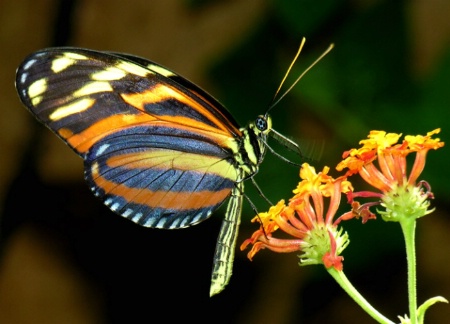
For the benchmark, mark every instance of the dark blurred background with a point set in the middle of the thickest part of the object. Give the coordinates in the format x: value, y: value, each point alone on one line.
x: 65, y: 258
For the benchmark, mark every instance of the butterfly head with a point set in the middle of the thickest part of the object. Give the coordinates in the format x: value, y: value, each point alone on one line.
x: 262, y: 127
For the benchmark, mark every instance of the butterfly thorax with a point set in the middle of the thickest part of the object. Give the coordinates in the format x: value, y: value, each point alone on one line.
x: 252, y: 146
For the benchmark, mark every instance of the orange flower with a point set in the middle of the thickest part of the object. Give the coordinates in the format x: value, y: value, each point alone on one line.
x: 306, y: 219
x: 381, y: 162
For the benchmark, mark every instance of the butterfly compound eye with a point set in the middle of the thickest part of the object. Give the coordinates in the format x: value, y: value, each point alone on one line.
x: 261, y: 123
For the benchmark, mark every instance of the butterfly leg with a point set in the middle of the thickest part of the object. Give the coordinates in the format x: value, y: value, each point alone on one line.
x: 226, y: 242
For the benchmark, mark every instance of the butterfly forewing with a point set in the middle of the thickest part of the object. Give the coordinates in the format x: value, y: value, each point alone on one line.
x: 157, y: 149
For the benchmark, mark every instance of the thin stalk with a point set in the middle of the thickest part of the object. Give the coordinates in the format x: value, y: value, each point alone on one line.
x: 342, y: 280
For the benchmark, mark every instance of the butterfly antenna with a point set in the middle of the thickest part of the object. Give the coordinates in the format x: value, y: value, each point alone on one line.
x: 288, y: 71
x: 275, y: 102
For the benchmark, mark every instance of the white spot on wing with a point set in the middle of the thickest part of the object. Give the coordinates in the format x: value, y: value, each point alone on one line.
x: 101, y: 149
x: 115, y: 206
x: 150, y: 222
x: 175, y: 224
x: 136, y: 217
x: 185, y: 222
x: 197, y: 218
x: 161, y: 223
x: 127, y: 212
x: 23, y: 78
x: 29, y: 64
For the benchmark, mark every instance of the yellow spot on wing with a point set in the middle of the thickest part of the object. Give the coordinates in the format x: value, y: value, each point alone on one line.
x: 160, y: 70
x: 73, y: 108
x: 63, y: 62
x: 111, y: 73
x: 93, y: 87
x: 37, y: 87
x: 75, y: 56
x: 133, y: 68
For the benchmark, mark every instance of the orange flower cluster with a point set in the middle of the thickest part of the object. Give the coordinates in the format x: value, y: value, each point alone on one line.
x: 313, y: 224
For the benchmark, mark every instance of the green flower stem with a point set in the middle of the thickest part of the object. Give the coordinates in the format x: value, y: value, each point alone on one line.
x: 409, y: 231
x: 342, y: 280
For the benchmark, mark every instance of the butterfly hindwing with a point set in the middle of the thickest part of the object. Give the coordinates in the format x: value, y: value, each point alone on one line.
x: 157, y: 149
x: 185, y: 183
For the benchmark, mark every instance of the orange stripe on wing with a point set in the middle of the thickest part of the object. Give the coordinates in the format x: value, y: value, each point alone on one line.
x: 163, y: 92
x: 160, y: 199
x: 84, y: 140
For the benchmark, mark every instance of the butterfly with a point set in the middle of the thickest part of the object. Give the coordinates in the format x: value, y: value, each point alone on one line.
x: 157, y: 149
